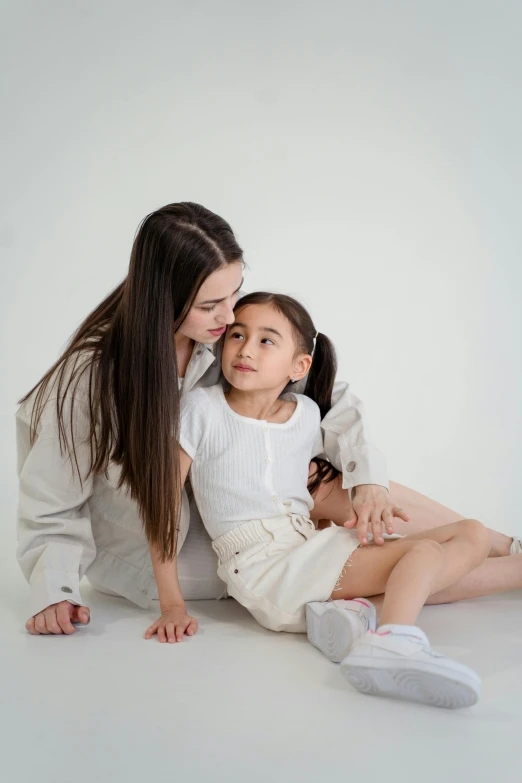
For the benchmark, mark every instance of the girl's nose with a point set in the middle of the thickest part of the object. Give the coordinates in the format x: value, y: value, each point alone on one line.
x: 244, y: 350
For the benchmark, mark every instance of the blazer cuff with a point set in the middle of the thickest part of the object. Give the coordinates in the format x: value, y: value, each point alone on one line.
x: 363, y: 466
x: 51, y: 587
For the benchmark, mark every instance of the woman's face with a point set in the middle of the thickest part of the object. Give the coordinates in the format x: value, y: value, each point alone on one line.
x: 213, y: 307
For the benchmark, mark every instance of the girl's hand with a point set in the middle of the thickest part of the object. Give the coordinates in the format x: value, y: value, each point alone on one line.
x: 58, y: 618
x: 172, y: 624
x: 372, y: 508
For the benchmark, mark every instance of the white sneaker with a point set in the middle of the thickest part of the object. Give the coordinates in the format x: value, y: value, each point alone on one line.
x: 405, y: 667
x: 516, y: 546
x: 334, y: 627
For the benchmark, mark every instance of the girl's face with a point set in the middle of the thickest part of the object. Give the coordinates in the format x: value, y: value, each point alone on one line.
x: 259, y: 352
x: 213, y: 307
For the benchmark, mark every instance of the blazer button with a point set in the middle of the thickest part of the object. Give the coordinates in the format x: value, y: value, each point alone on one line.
x: 66, y: 590
x: 351, y: 467
x: 236, y: 571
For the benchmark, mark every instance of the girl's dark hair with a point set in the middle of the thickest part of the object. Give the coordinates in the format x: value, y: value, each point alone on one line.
x: 321, y: 376
x: 125, y: 352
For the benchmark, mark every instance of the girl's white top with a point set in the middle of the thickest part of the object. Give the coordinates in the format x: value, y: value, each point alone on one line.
x: 247, y: 468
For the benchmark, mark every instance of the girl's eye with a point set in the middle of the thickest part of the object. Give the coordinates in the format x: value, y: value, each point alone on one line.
x: 269, y: 340
x: 235, y: 334
x: 208, y: 309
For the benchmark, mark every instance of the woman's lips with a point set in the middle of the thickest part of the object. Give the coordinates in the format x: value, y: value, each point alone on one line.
x: 218, y: 332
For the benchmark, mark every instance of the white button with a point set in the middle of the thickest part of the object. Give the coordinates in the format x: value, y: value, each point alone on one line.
x: 265, y: 429
x: 275, y: 497
x: 350, y: 467
x: 268, y: 459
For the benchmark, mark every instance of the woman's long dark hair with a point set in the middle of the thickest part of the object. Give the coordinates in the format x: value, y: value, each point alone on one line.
x: 321, y: 376
x: 125, y: 351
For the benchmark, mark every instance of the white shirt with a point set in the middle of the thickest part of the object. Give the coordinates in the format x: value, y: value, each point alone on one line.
x: 245, y: 468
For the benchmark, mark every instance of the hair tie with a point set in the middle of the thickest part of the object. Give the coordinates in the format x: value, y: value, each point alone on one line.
x: 313, y: 342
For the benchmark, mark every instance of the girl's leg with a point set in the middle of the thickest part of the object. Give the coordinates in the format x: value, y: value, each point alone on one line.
x: 410, y: 570
x: 333, y: 503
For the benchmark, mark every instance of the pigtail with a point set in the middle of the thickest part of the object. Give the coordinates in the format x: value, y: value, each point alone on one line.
x: 321, y: 376
x: 319, y: 387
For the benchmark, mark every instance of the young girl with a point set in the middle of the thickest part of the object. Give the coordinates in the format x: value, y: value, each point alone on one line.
x: 249, y: 451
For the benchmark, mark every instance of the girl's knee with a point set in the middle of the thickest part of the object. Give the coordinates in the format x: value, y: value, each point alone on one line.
x: 425, y: 546
x: 476, y: 532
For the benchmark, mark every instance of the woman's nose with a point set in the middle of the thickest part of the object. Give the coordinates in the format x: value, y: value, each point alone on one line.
x: 226, y: 317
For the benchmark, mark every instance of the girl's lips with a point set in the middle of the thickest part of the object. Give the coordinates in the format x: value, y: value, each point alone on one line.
x: 240, y: 368
x: 218, y: 332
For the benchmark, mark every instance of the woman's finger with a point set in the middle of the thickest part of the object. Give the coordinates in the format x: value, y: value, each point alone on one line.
x: 171, y: 636
x: 192, y: 627
x: 387, y: 517
x: 351, y: 522
x: 180, y: 630
x: 377, y: 526
x: 400, y: 514
x: 81, y: 614
x: 50, y: 620
x: 30, y: 626
x: 363, y: 519
x: 39, y: 622
x: 63, y: 617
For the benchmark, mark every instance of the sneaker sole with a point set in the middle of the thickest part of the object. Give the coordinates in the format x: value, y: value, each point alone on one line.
x: 331, y: 630
x: 450, y: 689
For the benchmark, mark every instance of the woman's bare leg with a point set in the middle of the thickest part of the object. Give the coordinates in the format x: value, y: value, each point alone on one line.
x: 414, y: 568
x: 426, y: 514
x: 332, y: 502
x: 494, y: 575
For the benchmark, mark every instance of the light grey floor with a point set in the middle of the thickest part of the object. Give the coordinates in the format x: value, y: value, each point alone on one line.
x: 237, y: 703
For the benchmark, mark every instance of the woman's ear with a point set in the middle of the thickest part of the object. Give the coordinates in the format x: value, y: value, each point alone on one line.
x: 301, y: 366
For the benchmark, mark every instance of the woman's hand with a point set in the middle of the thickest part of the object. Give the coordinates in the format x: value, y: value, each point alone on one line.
x: 373, y: 509
x: 172, y: 624
x: 58, y: 618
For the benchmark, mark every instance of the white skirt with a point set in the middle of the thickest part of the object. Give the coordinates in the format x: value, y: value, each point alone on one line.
x: 274, y: 567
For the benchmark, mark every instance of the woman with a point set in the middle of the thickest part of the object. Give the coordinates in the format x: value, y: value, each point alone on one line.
x: 97, y: 457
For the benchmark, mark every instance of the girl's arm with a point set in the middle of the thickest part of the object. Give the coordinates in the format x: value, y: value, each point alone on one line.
x: 174, y: 621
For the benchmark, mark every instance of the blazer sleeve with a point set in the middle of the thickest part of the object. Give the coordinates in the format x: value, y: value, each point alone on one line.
x: 347, y: 443
x: 55, y: 540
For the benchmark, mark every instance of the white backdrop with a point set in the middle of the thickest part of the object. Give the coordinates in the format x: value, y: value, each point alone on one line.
x: 367, y: 156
